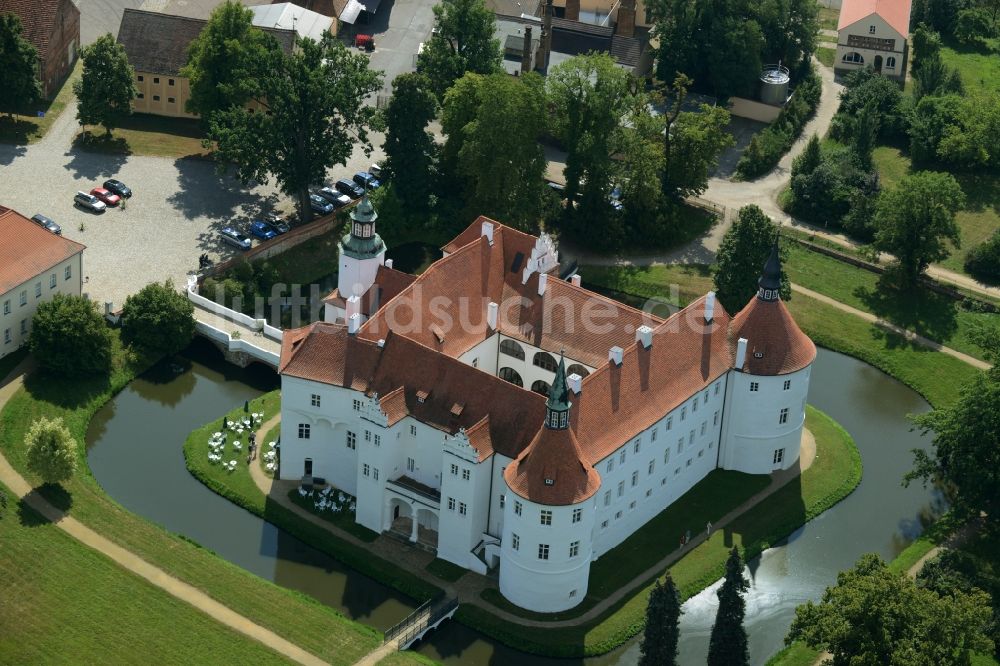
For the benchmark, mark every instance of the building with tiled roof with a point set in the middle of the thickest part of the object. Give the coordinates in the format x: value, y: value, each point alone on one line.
x: 35, y: 264
x: 53, y: 28
x: 503, y: 417
x: 873, y: 33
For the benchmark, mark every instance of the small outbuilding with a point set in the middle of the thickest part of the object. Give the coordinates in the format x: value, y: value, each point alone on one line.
x: 873, y: 33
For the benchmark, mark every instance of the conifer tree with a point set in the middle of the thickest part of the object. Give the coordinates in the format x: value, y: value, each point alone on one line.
x: 728, y: 644
x: 663, y: 614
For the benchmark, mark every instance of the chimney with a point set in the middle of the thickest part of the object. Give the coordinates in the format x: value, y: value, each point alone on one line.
x: 492, y: 311
x: 615, y: 355
x: 353, y: 306
x: 388, y: 263
x: 353, y: 323
x: 625, y: 25
x: 644, y: 335
x: 543, y: 280
x: 381, y: 343
x: 575, y: 382
x: 526, y: 51
x: 741, y: 353
x: 488, y: 231
x: 710, y: 307
x: 576, y: 280
x: 572, y: 10
x: 545, y: 43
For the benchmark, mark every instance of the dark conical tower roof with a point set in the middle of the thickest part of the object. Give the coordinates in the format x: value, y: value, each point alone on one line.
x: 769, y: 284
x: 559, y: 393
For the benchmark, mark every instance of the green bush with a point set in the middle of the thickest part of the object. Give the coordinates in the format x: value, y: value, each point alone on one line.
x: 983, y: 261
x: 767, y: 146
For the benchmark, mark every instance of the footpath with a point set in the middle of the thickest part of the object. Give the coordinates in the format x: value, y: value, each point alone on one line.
x: 132, y: 562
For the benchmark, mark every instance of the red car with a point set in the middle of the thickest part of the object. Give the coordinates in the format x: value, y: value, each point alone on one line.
x: 107, y: 197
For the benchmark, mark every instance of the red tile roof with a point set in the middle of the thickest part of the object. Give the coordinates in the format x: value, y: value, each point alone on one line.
x: 388, y: 283
x: 38, y: 18
x: 894, y: 12
x: 28, y: 250
x: 775, y: 343
x: 552, y: 470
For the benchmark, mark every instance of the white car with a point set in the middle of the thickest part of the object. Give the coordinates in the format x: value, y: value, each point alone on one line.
x: 85, y: 200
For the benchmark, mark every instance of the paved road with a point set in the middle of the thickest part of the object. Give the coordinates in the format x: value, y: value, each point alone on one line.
x: 399, y: 27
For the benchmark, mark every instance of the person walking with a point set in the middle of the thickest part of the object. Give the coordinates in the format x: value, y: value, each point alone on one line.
x: 253, y: 445
x: 708, y: 529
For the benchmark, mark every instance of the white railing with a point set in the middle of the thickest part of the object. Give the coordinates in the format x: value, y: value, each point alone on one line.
x: 256, y: 325
x: 237, y: 344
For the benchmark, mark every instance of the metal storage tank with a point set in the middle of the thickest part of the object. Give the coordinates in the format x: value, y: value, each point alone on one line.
x: 774, y: 84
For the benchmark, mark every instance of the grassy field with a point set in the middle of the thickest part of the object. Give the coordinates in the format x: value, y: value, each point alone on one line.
x: 796, y: 654
x: 293, y: 616
x: 980, y: 70
x: 977, y: 221
x: 934, y: 375
x: 29, y: 129
x: 446, y: 570
x: 80, y: 607
x: 826, y: 55
x: 147, y: 134
x: 828, y: 18
x: 932, y: 315
x: 834, y: 474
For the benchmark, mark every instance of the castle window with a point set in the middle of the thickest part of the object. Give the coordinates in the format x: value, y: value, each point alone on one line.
x: 545, y: 361
x: 684, y: 413
x: 545, y: 517
x: 454, y: 470
x: 717, y: 388
x: 368, y: 435
x: 754, y: 386
x: 510, y: 375
x: 635, y: 449
x: 577, y: 515
x: 517, y: 508
x: 314, y: 400
x: 631, y: 505
x: 574, y: 548
x: 635, y: 479
x: 680, y: 445
x: 543, y: 551
x: 170, y: 100
x: 140, y: 78
x: 156, y: 79
x: 715, y: 418
x: 704, y: 424
x: 890, y: 63
x: 694, y: 404
x: 553, y: 418
x: 378, y: 440
x: 688, y: 464
x: 666, y: 456
x: 604, y: 524
x: 706, y: 397
x: 413, y: 431
x: 691, y: 437
x: 356, y: 405
x: 649, y: 492
x: 366, y: 470
x: 578, y: 369
x: 38, y: 289
x: 779, y: 456
x: 611, y: 464
x: 375, y: 472
x: 652, y: 435
x: 156, y: 98
x: 515, y: 542
x: 650, y: 467
x: 618, y: 514
x: 357, y: 229
x: 607, y: 498
x: 304, y: 429
x: 411, y: 464
x: 52, y: 281
x: 572, y: 593
x: 871, y: 30
x: 550, y: 482
x: 783, y: 416
x: 670, y: 423
x: 503, y: 500
x: 621, y: 457
x: 68, y: 272
x: 541, y: 387
x: 462, y: 509
x: 788, y: 384
x: 621, y: 488
x: 853, y: 58
x: 170, y: 82
x: 511, y: 348
x: 451, y: 501
x: 466, y: 474
x: 563, y: 419
x: 352, y: 440
x: 368, y: 230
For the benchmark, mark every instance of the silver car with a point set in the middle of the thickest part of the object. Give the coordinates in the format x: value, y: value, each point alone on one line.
x: 89, y: 201
x: 235, y: 238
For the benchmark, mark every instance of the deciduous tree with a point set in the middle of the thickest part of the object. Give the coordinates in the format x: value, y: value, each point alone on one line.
x: 51, y: 450
x: 18, y: 66
x: 915, y: 220
x: 875, y: 616
x: 410, y: 149
x: 663, y: 614
x: 728, y: 645
x: 742, y: 254
x: 106, y: 89
x: 227, y: 61
x: 697, y: 141
x: 315, y: 117
x: 158, y: 318
x: 464, y: 42
x: 69, y: 337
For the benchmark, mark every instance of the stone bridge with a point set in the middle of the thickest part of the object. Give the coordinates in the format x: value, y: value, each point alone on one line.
x: 241, y: 338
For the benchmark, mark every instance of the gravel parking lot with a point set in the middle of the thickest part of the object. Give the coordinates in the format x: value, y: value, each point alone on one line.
x: 173, y: 217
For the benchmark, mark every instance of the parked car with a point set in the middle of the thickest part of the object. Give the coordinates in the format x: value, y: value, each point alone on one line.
x: 366, y: 180
x: 118, y: 187
x: 89, y: 201
x: 278, y: 224
x: 615, y: 199
x: 262, y: 230
x: 558, y: 188
x: 338, y: 199
x: 320, y: 205
x: 47, y: 223
x: 235, y: 238
x: 349, y: 188
x: 106, y: 196
x: 376, y: 171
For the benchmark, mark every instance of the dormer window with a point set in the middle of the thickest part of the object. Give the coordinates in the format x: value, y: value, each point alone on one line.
x: 550, y: 482
x: 758, y: 354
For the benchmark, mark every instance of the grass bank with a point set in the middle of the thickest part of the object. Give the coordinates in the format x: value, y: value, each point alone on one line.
x: 80, y: 607
x: 296, y: 617
x: 936, y: 376
x: 239, y: 488
x: 27, y: 129
x: 148, y: 134
x: 834, y: 474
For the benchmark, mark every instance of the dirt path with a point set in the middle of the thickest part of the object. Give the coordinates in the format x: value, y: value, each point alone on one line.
x: 132, y: 562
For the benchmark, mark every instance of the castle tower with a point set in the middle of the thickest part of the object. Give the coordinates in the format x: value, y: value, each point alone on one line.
x: 361, y: 252
x: 546, y: 544
x: 767, y: 387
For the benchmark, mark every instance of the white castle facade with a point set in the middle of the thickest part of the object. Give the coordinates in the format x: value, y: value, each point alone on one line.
x: 477, y: 411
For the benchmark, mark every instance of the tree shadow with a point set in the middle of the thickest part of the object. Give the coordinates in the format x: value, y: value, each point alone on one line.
x: 53, y: 493
x: 930, y: 314
x: 66, y: 393
x: 203, y: 192
x: 97, y: 156
x: 982, y: 191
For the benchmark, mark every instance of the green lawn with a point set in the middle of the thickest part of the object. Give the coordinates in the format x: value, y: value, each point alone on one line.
x: 147, y: 134
x: 298, y: 618
x: 828, y: 18
x: 66, y: 603
x: 932, y: 315
x: 834, y: 474
x: 977, y: 221
x: 796, y: 654
x: 980, y: 70
x: 446, y: 570
x: 934, y: 375
x: 826, y: 55
x: 31, y: 128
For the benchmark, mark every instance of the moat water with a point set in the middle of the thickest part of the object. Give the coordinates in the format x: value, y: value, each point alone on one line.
x: 135, y: 451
